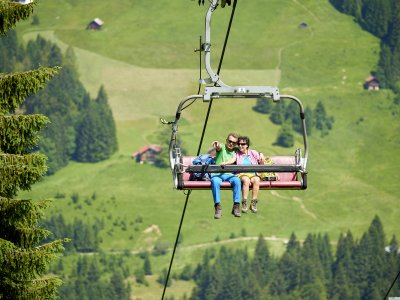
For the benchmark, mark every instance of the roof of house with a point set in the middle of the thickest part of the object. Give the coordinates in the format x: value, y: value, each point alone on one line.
x: 98, y: 21
x: 24, y: 1
x: 145, y: 148
x: 371, y: 78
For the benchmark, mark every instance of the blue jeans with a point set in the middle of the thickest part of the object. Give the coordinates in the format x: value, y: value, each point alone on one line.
x: 216, y: 181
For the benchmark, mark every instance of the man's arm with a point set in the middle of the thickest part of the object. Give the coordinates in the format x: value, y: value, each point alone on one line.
x: 217, y: 145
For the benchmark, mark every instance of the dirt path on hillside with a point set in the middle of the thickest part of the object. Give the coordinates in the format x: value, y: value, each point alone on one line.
x: 234, y: 240
x: 298, y: 200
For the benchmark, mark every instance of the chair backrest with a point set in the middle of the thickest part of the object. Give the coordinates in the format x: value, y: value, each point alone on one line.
x: 285, y: 160
x: 187, y: 160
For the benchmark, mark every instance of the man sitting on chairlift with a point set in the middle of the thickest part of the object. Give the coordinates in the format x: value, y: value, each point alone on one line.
x: 225, y: 152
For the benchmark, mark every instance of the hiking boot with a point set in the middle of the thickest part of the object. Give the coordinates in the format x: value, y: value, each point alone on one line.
x: 218, y: 211
x: 244, y: 206
x: 236, y: 209
x: 253, y: 205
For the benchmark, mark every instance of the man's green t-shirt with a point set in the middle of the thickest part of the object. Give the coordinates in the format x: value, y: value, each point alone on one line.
x: 224, y: 155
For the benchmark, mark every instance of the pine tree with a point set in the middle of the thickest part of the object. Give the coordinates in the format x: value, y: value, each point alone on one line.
x: 147, y: 265
x: 322, y: 121
x: 262, y: 265
x: 278, y: 113
x: 109, y: 130
x: 325, y: 255
x: 310, y: 268
x: 96, y: 137
x: 24, y: 259
x: 289, y: 265
x: 285, y: 137
x: 263, y: 106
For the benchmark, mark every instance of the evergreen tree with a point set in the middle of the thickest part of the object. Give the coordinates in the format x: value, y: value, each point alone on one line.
x: 369, y: 258
x: 285, y: 137
x: 24, y: 259
x: 325, y: 255
x: 263, y: 106
x: 289, y: 265
x: 109, y: 130
x: 311, y: 269
x: 322, y: 121
x: 340, y: 285
x: 278, y: 113
x: 118, y: 289
x: 147, y: 265
x: 96, y: 136
x: 262, y: 265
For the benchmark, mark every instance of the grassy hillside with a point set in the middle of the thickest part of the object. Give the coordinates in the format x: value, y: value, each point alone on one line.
x: 144, y: 57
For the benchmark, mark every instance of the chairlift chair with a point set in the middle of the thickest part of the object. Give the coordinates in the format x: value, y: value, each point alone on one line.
x: 291, y: 169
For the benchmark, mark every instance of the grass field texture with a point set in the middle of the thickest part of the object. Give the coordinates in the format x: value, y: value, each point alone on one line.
x: 144, y: 57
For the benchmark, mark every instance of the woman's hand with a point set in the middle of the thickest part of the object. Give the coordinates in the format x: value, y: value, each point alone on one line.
x: 262, y: 159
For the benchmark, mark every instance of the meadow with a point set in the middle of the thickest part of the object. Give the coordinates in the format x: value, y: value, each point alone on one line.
x: 144, y: 57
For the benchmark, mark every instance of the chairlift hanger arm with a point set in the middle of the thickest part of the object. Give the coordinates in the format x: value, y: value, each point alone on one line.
x: 206, y: 47
x: 303, y: 125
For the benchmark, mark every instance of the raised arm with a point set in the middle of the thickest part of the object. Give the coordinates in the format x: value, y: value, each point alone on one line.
x: 217, y: 145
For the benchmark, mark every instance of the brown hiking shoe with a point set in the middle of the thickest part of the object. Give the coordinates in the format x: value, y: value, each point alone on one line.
x: 253, y: 205
x: 218, y: 211
x: 244, y: 206
x: 236, y: 209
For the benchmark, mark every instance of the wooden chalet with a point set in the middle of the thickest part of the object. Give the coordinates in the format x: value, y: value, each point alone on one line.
x: 372, y: 84
x: 95, y: 24
x: 147, y: 153
x: 24, y: 1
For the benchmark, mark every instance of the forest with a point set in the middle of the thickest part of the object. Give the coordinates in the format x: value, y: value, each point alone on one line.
x: 309, y: 269
x: 81, y: 128
x: 316, y: 268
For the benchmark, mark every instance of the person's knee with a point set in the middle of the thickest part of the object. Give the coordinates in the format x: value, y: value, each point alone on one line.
x: 236, y: 181
x: 246, y: 182
x: 215, y: 182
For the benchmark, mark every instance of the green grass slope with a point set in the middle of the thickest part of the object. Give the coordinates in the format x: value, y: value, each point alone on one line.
x: 144, y: 57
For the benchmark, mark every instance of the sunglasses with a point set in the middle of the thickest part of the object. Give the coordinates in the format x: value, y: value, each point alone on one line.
x: 242, y: 144
x: 231, y: 142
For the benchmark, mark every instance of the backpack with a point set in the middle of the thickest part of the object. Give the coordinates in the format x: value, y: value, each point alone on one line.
x: 203, y: 159
x: 268, y: 176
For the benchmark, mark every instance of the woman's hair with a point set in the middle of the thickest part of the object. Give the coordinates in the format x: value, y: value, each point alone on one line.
x: 244, y: 138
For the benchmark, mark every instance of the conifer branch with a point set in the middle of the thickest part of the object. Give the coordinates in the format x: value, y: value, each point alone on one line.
x: 12, y: 12
x: 18, y: 133
x: 35, y: 259
x: 14, y: 88
x: 38, y: 289
x: 20, y: 228
x: 19, y: 172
